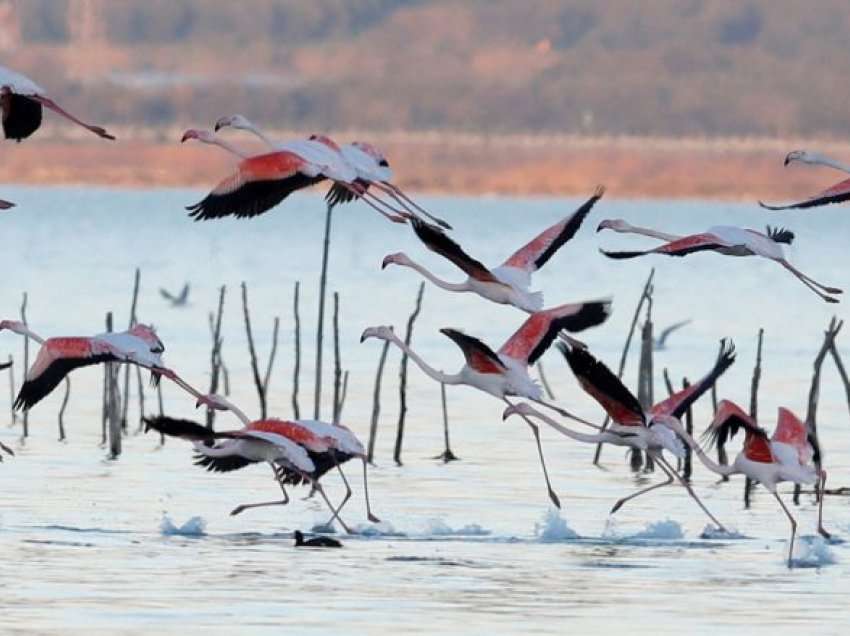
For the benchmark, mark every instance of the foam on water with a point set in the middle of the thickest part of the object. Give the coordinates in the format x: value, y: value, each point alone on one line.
x: 438, y: 527
x: 667, y: 530
x: 554, y: 528
x: 194, y: 527
x: 813, y: 551
x: 713, y: 532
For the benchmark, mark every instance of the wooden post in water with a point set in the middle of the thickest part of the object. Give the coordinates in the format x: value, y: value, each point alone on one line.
x: 754, y: 401
x: 645, y: 382
x: 376, y: 403
x: 113, y: 401
x: 215, y: 353
x: 261, y: 383
x: 296, y: 371
x: 337, y: 363
x: 402, y: 374
x: 12, y: 390
x: 598, y: 452
x: 125, y: 406
x: 689, y: 427
x: 320, y: 327
x: 25, y: 418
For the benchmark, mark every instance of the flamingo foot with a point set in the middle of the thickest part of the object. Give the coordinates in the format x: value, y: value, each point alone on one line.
x: 822, y: 532
x: 555, y: 500
x: 373, y: 518
x: 237, y: 510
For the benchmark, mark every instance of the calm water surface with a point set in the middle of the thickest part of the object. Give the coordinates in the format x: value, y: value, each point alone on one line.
x: 145, y: 543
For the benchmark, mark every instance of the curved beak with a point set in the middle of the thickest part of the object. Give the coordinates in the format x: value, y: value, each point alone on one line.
x: 601, y: 226
x: 363, y: 337
x: 787, y: 160
x: 387, y: 260
x: 187, y: 135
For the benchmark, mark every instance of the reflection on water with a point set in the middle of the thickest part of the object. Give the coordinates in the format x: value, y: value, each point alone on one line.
x: 147, y: 543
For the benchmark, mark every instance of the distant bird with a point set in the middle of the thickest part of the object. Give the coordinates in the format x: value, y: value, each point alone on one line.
x: 369, y: 163
x: 660, y: 343
x: 57, y: 357
x: 505, y: 373
x: 315, y: 542
x: 652, y: 430
x: 838, y: 193
x: 327, y: 446
x: 724, y: 239
x: 180, y: 300
x: 262, y: 181
x: 787, y: 456
x: 509, y: 283
x: 21, y: 102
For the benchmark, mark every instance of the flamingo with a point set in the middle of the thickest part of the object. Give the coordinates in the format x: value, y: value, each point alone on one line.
x: 838, y: 193
x: 178, y: 300
x: 262, y: 181
x: 724, y: 239
x: 57, y: 357
x: 660, y: 343
x: 786, y: 456
x: 328, y: 446
x: 652, y: 430
x: 21, y: 101
x: 369, y: 163
x: 509, y: 283
x: 505, y: 373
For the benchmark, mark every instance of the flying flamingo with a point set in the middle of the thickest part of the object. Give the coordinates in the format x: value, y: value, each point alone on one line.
x: 784, y: 457
x: 836, y: 194
x: 505, y: 373
x: 369, y: 163
x: 509, y: 283
x: 652, y: 430
x: 262, y: 181
x: 328, y: 446
x: 724, y: 239
x: 57, y: 357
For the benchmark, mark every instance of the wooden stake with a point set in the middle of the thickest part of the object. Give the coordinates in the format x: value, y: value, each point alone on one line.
x: 296, y: 372
x: 645, y: 381
x: 320, y: 327
x: 402, y: 374
x: 215, y: 353
x: 25, y: 418
x: 113, y: 402
x: 689, y: 427
x: 337, y: 363
x: 125, y: 407
x: 260, y: 383
x: 12, y: 390
x: 754, y: 393
x: 376, y: 403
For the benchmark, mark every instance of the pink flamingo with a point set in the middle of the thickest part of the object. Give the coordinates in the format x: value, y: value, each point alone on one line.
x: 724, y: 239
x: 509, y: 283
x: 838, y: 193
x: 505, y: 373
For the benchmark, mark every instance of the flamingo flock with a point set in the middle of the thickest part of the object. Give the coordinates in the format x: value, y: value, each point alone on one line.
x: 302, y: 452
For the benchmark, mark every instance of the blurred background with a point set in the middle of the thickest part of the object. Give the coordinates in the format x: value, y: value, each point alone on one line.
x: 615, y: 88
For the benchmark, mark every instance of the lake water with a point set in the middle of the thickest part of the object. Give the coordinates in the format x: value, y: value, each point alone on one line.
x: 145, y: 543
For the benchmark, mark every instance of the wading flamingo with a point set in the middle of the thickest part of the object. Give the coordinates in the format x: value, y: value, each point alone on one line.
x: 369, y: 163
x: 838, y: 193
x: 21, y: 101
x: 787, y: 456
x: 57, y: 357
x: 509, y: 283
x: 652, y: 430
x: 724, y: 239
x: 505, y: 373
x: 328, y: 446
x: 262, y: 181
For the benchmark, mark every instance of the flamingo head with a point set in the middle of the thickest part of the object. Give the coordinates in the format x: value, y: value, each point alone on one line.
x: 234, y: 121
x: 373, y: 152
x: 802, y: 156
x: 148, y: 335
x: 618, y: 225
x: 400, y: 258
x: 204, y: 136
x: 213, y: 401
x: 382, y: 332
x: 324, y: 139
x: 520, y: 408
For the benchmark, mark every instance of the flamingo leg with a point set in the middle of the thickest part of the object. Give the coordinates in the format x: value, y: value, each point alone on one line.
x: 666, y: 465
x: 396, y: 217
x: 620, y: 502
x: 49, y: 103
x: 793, y: 526
x: 278, y: 475
x: 396, y: 193
x: 7, y: 449
x: 821, y: 530
x: 811, y: 284
x: 564, y: 413
x: 369, y: 514
x: 347, y: 492
x: 335, y: 516
x: 535, y: 430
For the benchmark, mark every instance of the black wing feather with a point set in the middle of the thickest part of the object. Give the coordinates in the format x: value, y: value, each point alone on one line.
x: 467, y: 343
x: 438, y: 241
x: 222, y: 464
x: 21, y: 116
x: 33, y: 391
x: 591, y: 314
x: 250, y: 199
x: 725, y: 359
x: 340, y: 194
x: 570, y: 228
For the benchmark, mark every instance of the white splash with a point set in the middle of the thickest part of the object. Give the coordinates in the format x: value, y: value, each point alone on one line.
x: 813, y: 551
x: 438, y: 527
x: 667, y: 530
x: 380, y: 529
x: 554, y: 528
x: 194, y: 527
x: 713, y: 532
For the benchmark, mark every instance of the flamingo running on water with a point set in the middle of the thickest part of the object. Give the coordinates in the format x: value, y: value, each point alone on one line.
x: 652, y: 430
x: 787, y: 456
x: 57, y: 357
x: 505, y: 373
x: 509, y: 283
x: 326, y: 445
x: 369, y: 163
x: 838, y: 193
x: 724, y: 239
x: 262, y: 181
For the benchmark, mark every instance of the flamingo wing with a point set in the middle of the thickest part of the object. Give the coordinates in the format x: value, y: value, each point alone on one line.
x: 662, y: 338
x: 540, y: 329
x: 536, y: 253
x: 678, y: 403
x: 438, y: 241
x: 56, y: 359
x: 259, y: 184
x: 221, y: 458
x: 478, y: 355
x: 729, y: 419
x: 680, y: 247
x: 792, y: 431
x: 602, y: 385
x: 838, y: 193
x: 340, y: 194
x: 290, y: 451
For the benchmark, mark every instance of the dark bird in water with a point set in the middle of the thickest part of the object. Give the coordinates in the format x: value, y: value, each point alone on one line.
x: 315, y: 542
x: 660, y: 343
x: 181, y: 300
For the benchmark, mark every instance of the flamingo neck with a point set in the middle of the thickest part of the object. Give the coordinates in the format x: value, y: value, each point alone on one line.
x: 431, y: 372
x: 259, y: 133
x: 709, y: 463
x: 228, y: 147
x: 645, y: 231
x: 235, y: 410
x: 453, y: 287
x: 832, y: 163
x: 588, y: 438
